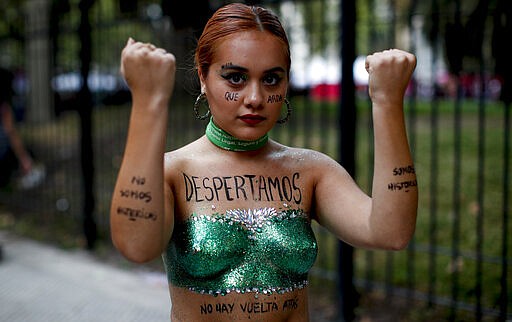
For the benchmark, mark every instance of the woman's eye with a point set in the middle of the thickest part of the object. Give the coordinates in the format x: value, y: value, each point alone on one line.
x: 235, y: 78
x: 271, y: 80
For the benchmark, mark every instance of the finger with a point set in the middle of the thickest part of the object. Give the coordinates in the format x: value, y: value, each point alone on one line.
x: 129, y: 43
x: 367, y: 62
x: 139, y: 45
x: 413, y: 60
x: 146, y: 45
x: 160, y: 51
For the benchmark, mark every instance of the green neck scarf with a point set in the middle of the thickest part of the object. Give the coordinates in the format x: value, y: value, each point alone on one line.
x: 226, y: 141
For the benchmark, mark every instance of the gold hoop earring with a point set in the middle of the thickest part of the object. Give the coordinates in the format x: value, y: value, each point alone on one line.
x: 201, y: 99
x: 288, y: 113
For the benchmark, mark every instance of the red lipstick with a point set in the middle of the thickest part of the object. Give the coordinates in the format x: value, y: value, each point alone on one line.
x: 252, y: 119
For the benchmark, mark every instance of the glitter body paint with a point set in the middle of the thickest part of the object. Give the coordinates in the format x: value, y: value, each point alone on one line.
x: 260, y: 251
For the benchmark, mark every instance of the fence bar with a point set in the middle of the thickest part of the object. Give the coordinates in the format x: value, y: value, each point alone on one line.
x: 480, y: 195
x: 505, y: 206
x: 347, y: 126
x: 324, y: 115
x: 456, y: 195
x: 412, y: 130
x: 306, y: 125
x: 85, y: 112
x: 455, y: 257
x: 434, y: 159
x: 388, y: 277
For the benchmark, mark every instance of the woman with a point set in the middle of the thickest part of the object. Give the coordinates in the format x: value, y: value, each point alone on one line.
x: 231, y: 212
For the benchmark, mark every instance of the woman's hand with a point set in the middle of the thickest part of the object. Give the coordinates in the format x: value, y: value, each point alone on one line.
x: 149, y: 72
x: 389, y: 74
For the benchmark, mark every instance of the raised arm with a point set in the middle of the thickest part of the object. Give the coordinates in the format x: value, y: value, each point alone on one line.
x: 387, y: 219
x: 141, y: 215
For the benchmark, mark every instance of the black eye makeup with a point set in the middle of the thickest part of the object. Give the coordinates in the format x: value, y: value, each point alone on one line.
x: 237, y: 76
x: 272, y: 79
x: 234, y: 78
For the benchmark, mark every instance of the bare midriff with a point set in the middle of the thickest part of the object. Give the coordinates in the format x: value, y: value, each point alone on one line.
x: 191, y: 306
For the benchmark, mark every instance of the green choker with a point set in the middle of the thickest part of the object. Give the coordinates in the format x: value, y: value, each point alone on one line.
x: 226, y: 141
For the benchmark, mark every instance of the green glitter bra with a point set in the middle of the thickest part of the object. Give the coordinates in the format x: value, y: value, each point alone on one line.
x: 259, y: 251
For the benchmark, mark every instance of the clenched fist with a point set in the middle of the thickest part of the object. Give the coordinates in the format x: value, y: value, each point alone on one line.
x: 149, y: 72
x: 389, y: 74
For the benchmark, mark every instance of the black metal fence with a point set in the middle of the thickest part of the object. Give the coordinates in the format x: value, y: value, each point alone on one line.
x: 458, y: 113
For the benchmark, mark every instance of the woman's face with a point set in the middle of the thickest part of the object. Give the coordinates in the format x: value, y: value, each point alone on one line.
x: 246, y: 83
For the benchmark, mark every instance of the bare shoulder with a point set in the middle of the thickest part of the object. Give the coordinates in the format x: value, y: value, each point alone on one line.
x: 185, y: 153
x: 179, y: 160
x: 308, y: 159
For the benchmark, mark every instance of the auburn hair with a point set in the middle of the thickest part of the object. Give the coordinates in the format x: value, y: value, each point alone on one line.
x: 233, y: 18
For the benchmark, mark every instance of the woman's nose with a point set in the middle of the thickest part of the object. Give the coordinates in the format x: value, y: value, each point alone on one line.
x: 254, y: 96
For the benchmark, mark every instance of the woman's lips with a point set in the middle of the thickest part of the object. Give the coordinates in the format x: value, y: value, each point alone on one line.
x: 252, y: 119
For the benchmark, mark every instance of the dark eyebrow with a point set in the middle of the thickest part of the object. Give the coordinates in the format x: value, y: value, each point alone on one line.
x: 234, y: 67
x: 275, y: 69
x: 243, y: 69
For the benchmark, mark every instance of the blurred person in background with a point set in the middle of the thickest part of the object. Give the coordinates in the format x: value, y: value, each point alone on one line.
x: 15, y: 159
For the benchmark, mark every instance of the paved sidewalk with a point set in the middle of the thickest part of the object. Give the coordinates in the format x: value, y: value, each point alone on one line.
x: 42, y: 283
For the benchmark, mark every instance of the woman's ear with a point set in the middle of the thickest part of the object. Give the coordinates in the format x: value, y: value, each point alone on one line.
x: 202, y: 79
